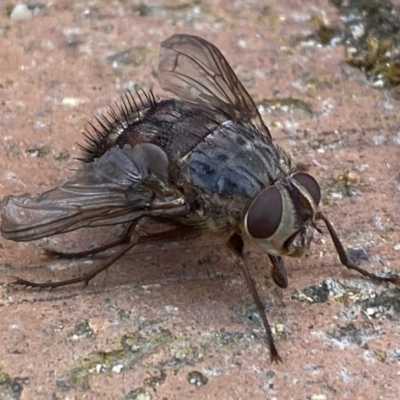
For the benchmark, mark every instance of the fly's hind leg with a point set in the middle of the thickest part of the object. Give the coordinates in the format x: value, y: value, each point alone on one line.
x: 179, y: 232
x: 48, y: 254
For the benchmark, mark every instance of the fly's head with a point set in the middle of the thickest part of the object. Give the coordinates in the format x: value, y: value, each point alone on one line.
x: 281, y: 219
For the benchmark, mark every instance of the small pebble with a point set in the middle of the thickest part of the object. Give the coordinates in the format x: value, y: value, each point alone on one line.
x: 117, y: 368
x: 70, y: 101
x: 20, y: 13
x: 196, y: 378
x: 319, y: 397
x: 370, y: 311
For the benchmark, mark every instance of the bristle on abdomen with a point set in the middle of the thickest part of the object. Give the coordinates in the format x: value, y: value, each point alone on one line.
x: 119, y: 118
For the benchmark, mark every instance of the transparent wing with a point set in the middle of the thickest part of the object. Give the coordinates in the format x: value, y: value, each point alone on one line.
x: 121, y: 186
x: 196, y: 71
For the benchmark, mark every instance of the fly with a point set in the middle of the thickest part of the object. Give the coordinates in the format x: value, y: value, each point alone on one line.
x: 202, y: 162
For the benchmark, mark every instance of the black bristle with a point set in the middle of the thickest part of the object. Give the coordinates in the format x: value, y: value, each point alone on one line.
x: 133, y: 105
x: 124, y: 109
x: 138, y: 95
x: 106, y: 119
x: 118, y: 117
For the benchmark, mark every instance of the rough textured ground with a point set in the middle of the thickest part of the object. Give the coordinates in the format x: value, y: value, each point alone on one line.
x: 174, y: 315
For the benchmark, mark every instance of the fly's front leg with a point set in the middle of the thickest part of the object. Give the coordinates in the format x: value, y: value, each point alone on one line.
x: 179, y: 232
x: 236, y: 245
x: 344, y: 259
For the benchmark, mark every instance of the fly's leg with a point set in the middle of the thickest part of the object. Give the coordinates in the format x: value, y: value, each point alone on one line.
x: 179, y: 232
x: 236, y: 245
x: 84, y: 278
x: 344, y: 259
x: 48, y: 254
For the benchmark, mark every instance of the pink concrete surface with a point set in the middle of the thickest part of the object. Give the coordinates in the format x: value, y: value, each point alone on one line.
x: 175, y: 320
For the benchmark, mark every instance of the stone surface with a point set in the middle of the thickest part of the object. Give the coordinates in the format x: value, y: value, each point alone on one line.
x: 172, y: 311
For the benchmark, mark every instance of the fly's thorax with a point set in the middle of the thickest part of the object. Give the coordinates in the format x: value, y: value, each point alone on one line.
x: 281, y: 218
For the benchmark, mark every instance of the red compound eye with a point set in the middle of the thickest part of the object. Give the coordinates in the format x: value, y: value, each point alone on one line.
x: 310, y: 184
x: 265, y: 214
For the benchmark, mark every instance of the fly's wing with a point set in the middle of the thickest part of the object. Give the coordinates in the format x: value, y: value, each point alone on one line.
x: 196, y: 71
x: 120, y: 186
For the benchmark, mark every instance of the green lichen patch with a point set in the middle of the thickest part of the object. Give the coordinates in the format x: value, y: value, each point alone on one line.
x: 250, y: 315
x: 125, y: 355
x: 321, y: 293
x: 196, y: 378
x: 385, y: 304
x: 313, y: 294
x: 10, y: 388
x: 137, y: 394
x: 62, y: 156
x: 229, y: 338
x: 343, y: 186
x: 39, y: 152
x: 351, y: 334
x: 81, y: 331
x: 372, y: 39
x: 323, y: 34
x: 286, y: 106
x: 155, y: 380
x: 184, y: 353
x: 319, y: 83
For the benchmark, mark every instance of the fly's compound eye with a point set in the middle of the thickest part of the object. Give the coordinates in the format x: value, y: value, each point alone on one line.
x: 265, y: 214
x: 310, y: 184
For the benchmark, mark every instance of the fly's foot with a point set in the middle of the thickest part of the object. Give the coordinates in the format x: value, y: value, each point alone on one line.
x: 395, y: 279
x: 85, y: 279
x: 276, y: 359
x: 29, y: 284
x: 47, y: 254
